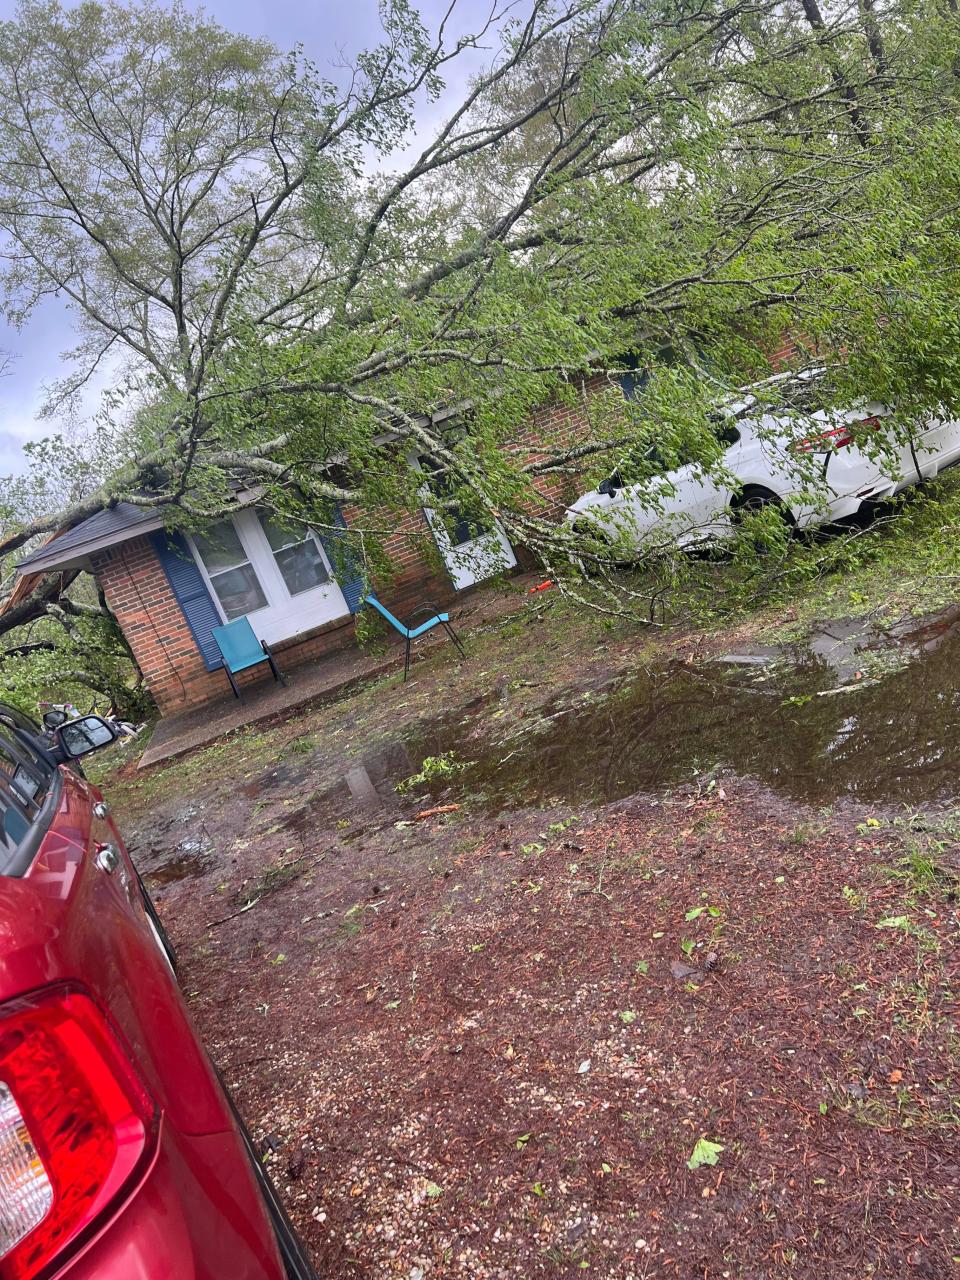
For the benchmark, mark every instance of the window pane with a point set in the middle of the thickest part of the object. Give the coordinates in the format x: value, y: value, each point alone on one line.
x: 220, y: 547
x: 239, y: 591
x: 19, y: 761
x: 25, y: 784
x: 278, y: 535
x: 462, y: 531
x: 14, y: 825
x: 14, y: 819
x: 302, y: 567
x: 460, y: 527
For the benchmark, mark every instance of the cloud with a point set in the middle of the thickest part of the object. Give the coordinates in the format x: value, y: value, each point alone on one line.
x: 11, y: 445
x: 34, y: 363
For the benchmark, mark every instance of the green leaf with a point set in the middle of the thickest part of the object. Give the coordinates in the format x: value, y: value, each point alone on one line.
x: 687, y: 945
x: 628, y: 1016
x: 823, y: 1108
x: 523, y: 1140
x: 694, y: 913
x: 538, y: 1189
x: 894, y: 922
x: 434, y: 1190
x: 705, y: 1152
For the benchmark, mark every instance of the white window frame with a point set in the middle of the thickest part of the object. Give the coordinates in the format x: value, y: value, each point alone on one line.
x: 308, y: 534
x: 284, y: 615
x: 208, y: 580
x: 469, y: 562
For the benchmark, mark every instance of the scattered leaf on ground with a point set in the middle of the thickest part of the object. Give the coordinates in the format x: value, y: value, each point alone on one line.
x: 705, y: 1152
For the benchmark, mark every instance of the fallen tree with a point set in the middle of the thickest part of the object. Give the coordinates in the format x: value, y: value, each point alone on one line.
x: 295, y: 291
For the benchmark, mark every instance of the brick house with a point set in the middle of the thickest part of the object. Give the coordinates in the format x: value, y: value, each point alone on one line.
x: 168, y: 589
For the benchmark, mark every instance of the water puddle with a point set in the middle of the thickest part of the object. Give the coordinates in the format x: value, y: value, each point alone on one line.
x: 365, y: 788
x: 857, y: 710
x: 160, y: 865
x: 847, y: 643
x: 816, y: 721
x: 175, y: 869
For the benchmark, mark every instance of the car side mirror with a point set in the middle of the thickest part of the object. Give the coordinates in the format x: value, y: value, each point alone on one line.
x: 613, y: 484
x: 54, y: 719
x: 89, y: 733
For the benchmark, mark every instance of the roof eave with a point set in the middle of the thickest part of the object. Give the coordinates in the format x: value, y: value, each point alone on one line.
x: 78, y: 557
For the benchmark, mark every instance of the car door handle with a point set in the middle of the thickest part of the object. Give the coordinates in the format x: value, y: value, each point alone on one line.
x: 107, y: 858
x: 101, y: 809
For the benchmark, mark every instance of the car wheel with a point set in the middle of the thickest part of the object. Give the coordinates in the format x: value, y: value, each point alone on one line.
x: 754, y: 498
x: 161, y: 937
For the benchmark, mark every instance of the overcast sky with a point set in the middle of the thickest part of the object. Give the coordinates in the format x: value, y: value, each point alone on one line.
x: 330, y: 31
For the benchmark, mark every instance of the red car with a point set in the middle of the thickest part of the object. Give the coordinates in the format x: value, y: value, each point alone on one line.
x: 121, y: 1155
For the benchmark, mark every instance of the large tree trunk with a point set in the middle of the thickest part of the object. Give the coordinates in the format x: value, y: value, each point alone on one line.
x: 859, y: 123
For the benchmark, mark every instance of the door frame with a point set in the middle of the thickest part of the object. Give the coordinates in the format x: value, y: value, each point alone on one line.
x: 464, y: 562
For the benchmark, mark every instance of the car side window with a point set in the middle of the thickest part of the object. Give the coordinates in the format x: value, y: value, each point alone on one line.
x: 24, y: 782
x: 727, y: 434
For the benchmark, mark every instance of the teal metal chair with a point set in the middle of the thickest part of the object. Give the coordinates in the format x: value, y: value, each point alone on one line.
x: 241, y: 649
x: 410, y: 633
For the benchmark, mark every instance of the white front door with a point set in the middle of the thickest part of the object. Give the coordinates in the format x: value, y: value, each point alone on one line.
x: 279, y: 578
x: 470, y: 554
x: 474, y: 558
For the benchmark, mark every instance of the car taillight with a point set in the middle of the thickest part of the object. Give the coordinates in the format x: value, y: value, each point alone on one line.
x: 76, y: 1125
x: 837, y: 437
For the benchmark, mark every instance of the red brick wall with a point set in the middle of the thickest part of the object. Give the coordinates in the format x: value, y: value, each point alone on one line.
x: 140, y: 597
x: 419, y: 574
x: 564, y: 423
x: 792, y: 349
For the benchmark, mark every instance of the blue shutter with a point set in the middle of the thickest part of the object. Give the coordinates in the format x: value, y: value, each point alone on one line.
x: 340, y: 554
x: 191, y: 592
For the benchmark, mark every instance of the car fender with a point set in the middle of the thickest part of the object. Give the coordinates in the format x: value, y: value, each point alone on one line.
x: 80, y: 922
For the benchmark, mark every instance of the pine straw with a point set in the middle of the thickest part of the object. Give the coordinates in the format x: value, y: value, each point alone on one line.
x: 414, y: 1060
